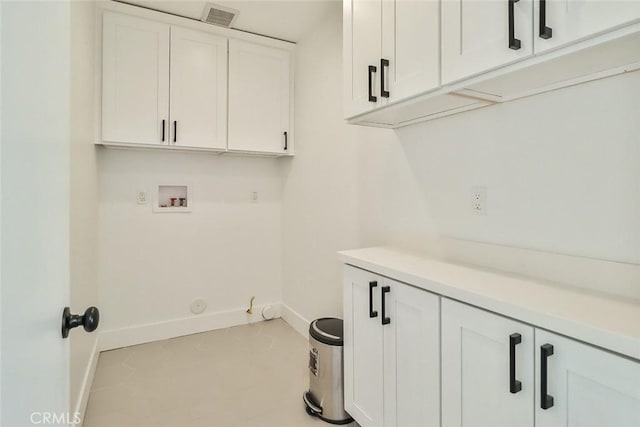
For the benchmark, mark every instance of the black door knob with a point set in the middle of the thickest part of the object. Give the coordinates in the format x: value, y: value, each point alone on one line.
x: 89, y: 320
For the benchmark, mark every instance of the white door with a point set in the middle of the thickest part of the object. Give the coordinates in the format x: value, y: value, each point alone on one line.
x: 35, y: 144
x: 362, y: 50
x: 558, y: 22
x: 476, y: 35
x: 411, y: 45
x: 411, y: 357
x: 259, y: 98
x: 586, y: 387
x: 135, y: 80
x: 363, y: 363
x: 198, y: 89
x: 478, y: 377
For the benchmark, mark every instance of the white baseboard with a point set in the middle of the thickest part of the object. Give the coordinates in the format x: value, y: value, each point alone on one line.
x: 140, y: 334
x: 85, y: 389
x: 295, y: 320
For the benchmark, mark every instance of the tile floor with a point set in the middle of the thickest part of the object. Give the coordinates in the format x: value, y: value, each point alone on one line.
x: 246, y: 376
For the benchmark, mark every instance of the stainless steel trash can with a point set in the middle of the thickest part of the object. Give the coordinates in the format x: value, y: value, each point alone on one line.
x: 325, y: 398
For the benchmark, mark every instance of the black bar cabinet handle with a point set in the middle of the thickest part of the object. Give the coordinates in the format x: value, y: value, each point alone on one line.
x: 372, y: 69
x: 385, y: 320
x: 544, y: 31
x: 383, y: 63
x: 286, y: 142
x: 175, y: 130
x: 163, y: 123
x: 514, y: 43
x: 546, y: 400
x: 372, y: 312
x: 514, y: 385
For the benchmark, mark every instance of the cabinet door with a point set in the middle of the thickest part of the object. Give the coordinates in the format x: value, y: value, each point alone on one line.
x: 477, y: 370
x: 476, y: 35
x: 135, y: 80
x: 362, y: 51
x: 198, y: 89
x: 259, y: 98
x: 589, y: 387
x: 363, y: 335
x: 411, y: 44
x: 558, y: 22
x: 411, y: 357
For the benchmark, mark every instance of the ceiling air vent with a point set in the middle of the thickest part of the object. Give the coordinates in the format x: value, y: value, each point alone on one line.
x: 219, y: 15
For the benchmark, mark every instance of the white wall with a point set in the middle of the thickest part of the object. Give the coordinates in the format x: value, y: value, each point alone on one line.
x: 561, y: 169
x: 84, y: 199
x: 321, y: 186
x: 562, y: 177
x: 0, y: 211
x: 152, y: 265
x: 562, y: 187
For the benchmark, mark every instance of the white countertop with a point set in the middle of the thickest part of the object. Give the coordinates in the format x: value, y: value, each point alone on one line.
x: 607, y: 322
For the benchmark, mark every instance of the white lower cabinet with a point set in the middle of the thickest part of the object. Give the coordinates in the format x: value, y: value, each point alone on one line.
x: 585, y: 386
x: 363, y: 364
x: 487, y: 369
x: 570, y: 384
x: 392, y: 355
x: 413, y: 358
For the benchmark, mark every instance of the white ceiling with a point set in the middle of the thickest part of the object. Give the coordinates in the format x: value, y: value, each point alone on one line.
x: 287, y: 20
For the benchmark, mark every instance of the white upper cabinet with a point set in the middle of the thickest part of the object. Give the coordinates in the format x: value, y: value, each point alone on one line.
x: 362, y: 54
x: 411, y: 47
x: 198, y: 89
x: 559, y: 22
x: 487, y: 369
x: 407, y: 61
x: 582, y: 386
x: 481, y: 35
x: 173, y: 87
x: 260, y: 91
x: 135, y: 85
x: 391, y: 51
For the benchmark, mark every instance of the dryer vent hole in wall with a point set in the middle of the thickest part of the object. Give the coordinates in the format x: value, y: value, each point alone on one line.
x: 268, y: 313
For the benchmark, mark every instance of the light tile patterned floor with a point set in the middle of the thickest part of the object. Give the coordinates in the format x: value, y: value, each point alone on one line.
x: 246, y: 376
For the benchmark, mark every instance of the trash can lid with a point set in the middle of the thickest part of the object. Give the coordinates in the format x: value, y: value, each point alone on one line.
x: 327, y: 330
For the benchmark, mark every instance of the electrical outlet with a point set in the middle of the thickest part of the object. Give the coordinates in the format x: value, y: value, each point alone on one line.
x: 479, y: 200
x: 254, y: 197
x: 142, y: 197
